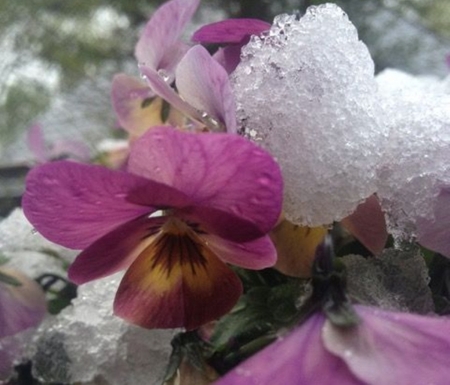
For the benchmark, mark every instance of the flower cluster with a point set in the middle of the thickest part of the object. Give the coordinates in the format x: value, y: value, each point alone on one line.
x: 206, y: 211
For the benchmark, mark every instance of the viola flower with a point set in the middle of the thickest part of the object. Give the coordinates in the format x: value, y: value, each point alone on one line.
x: 217, y: 195
x: 159, y: 48
x: 234, y: 34
x: 22, y: 302
x: 386, y: 348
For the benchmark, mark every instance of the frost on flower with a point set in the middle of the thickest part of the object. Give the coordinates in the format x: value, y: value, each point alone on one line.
x: 306, y: 91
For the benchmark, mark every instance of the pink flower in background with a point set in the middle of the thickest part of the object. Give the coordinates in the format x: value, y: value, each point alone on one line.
x: 61, y: 149
x: 384, y: 348
x: 188, y: 204
x: 22, y: 302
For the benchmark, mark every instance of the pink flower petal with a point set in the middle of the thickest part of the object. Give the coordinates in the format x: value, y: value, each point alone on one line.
x: 74, y: 204
x: 114, y: 251
x: 221, y: 171
x: 434, y: 234
x: 230, y: 31
x: 393, y: 348
x: 205, y: 85
x: 368, y: 225
x: 158, y: 46
x: 257, y: 254
x: 72, y: 149
x: 21, y: 306
x: 298, y: 358
x: 228, y: 57
x: 163, y: 89
x: 176, y: 282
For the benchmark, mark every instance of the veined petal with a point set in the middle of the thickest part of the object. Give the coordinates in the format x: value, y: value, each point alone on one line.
x: 368, y: 225
x: 176, y: 282
x: 136, y: 106
x: 20, y: 306
x: 162, y: 32
x: 298, y: 358
x: 205, y: 84
x: 221, y: 171
x: 116, y: 250
x: 230, y: 31
x: 434, y: 234
x: 393, y: 348
x: 257, y: 254
x: 75, y: 204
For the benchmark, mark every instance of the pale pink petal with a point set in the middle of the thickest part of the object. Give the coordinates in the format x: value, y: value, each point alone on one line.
x: 36, y: 143
x: 393, y: 348
x: 155, y: 47
x: 435, y: 233
x: 114, y: 251
x: 230, y: 31
x: 163, y: 89
x: 368, y: 225
x: 73, y: 149
x: 74, y: 204
x: 257, y: 254
x: 20, y: 306
x: 205, y: 85
x: 222, y: 171
x: 298, y: 358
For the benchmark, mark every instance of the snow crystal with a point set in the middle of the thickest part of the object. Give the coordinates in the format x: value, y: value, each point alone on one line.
x: 416, y: 164
x: 397, y: 280
x: 306, y: 91
x: 86, y: 342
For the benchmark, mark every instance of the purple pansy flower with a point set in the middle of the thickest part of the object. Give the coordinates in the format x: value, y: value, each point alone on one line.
x: 386, y: 348
x: 22, y: 302
x: 234, y: 34
x: 188, y: 204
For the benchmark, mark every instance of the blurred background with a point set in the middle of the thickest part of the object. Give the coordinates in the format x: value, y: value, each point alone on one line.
x: 58, y: 58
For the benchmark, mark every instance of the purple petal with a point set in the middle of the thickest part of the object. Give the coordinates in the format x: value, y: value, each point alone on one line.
x: 368, y: 225
x: 115, y: 251
x: 203, y: 82
x: 158, y: 46
x: 394, y: 348
x: 257, y: 254
x: 165, y: 91
x: 298, y: 358
x: 221, y: 171
x: 231, y: 31
x: 228, y: 57
x: 20, y: 306
x: 434, y: 234
x: 74, y: 204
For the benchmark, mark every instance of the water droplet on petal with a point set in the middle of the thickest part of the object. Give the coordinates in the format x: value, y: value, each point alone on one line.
x: 264, y: 181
